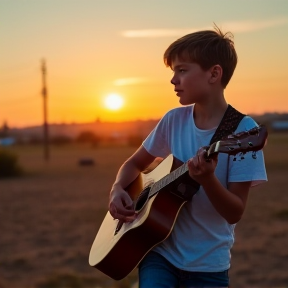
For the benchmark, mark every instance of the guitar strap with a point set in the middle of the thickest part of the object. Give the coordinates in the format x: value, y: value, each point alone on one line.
x: 228, y: 124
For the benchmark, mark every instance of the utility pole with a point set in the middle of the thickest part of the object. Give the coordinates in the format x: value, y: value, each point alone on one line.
x: 45, y: 122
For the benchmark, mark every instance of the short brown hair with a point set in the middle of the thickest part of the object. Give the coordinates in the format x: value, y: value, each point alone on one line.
x: 206, y: 48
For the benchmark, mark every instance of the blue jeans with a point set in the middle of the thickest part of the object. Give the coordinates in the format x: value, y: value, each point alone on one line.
x: 156, y: 272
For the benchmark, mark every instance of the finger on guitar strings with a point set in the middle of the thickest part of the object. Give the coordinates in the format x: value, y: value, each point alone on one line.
x: 193, y: 165
x: 129, y: 213
x: 123, y: 214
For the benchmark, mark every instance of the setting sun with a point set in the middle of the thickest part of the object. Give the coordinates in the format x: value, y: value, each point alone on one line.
x: 113, y: 101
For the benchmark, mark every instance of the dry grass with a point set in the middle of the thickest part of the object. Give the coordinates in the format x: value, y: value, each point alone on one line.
x: 50, y: 216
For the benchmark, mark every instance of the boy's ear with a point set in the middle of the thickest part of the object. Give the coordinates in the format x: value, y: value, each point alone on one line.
x: 216, y: 73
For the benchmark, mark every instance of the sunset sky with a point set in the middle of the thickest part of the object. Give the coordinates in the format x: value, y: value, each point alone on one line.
x: 95, y: 48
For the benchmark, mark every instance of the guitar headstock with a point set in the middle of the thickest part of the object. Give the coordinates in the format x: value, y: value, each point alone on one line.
x: 246, y: 141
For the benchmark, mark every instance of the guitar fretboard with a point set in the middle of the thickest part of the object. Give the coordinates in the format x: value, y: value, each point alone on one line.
x: 169, y: 178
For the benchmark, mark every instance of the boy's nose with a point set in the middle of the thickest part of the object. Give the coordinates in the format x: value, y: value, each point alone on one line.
x: 174, y: 80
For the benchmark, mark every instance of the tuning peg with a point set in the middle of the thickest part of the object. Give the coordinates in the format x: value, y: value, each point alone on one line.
x: 242, y: 156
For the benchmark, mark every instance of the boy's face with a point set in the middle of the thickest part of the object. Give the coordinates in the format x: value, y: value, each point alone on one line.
x: 191, y: 82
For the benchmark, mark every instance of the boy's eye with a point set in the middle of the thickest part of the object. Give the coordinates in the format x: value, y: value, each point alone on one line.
x: 182, y: 70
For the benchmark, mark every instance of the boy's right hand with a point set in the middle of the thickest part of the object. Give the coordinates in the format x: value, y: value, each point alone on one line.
x: 121, y: 205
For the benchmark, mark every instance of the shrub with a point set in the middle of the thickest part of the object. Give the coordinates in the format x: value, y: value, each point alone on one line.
x: 9, y: 166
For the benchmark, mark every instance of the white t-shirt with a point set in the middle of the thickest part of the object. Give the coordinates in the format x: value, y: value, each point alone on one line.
x: 201, y: 238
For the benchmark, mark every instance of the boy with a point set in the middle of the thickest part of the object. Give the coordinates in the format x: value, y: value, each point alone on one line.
x: 197, y: 252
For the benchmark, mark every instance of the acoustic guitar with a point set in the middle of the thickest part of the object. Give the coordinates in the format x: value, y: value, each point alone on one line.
x: 158, y: 196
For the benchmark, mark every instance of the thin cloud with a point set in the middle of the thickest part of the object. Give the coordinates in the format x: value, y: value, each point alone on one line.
x: 130, y: 81
x: 234, y: 26
x: 250, y: 26
x: 155, y: 33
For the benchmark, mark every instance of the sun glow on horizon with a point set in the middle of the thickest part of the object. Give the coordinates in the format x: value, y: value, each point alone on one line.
x: 113, y: 101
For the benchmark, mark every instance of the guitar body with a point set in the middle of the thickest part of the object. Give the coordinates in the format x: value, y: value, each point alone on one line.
x: 117, y: 255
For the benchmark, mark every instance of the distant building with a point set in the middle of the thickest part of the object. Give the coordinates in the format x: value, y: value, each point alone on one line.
x: 7, y: 141
x: 279, y: 125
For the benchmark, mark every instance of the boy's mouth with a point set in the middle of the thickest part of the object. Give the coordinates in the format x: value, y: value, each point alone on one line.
x: 178, y: 91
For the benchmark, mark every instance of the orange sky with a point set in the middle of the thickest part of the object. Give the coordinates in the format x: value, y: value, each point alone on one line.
x: 93, y: 49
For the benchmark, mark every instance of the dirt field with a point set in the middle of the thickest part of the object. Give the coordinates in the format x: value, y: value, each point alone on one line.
x: 49, y: 219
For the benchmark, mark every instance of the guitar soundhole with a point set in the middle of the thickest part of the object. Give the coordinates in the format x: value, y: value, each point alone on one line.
x: 142, y: 199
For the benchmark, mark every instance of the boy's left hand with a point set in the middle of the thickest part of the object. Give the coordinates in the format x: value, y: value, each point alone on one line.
x: 200, y: 168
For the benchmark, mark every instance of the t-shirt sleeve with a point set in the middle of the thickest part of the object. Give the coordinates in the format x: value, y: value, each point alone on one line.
x: 250, y: 168
x: 156, y: 142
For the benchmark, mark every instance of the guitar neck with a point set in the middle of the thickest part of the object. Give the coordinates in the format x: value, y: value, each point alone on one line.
x: 169, y: 178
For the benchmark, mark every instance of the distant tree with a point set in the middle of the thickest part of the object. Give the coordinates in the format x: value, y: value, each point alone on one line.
x: 4, y: 130
x: 88, y: 137
x: 134, y: 140
x: 60, y: 140
x: 35, y: 140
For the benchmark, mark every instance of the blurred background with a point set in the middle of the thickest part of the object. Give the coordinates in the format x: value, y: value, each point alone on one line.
x: 82, y: 84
